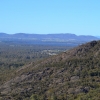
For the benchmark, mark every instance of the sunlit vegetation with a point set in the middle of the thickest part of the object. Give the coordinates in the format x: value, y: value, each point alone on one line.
x: 71, y: 75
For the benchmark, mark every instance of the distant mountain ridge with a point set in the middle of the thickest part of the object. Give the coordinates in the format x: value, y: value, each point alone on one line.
x: 49, y: 37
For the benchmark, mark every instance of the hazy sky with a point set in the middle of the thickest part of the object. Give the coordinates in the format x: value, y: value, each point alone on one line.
x: 50, y: 16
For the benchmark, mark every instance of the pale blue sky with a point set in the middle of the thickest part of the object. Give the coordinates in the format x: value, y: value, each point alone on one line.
x: 81, y: 17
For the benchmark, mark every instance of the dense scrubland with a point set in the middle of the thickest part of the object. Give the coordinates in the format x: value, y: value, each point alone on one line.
x: 71, y: 75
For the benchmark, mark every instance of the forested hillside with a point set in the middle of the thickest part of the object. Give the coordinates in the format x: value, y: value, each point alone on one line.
x: 71, y: 75
x: 14, y: 56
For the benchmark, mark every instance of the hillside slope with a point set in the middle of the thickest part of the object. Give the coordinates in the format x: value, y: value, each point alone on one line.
x: 72, y: 75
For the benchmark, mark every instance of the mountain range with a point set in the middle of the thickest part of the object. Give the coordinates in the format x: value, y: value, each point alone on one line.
x: 49, y: 37
x: 71, y: 75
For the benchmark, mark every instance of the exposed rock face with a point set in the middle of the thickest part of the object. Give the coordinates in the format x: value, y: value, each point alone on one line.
x: 93, y: 43
x: 78, y: 90
x: 74, y: 78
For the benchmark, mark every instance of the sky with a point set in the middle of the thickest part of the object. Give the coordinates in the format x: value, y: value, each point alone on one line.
x: 80, y: 17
